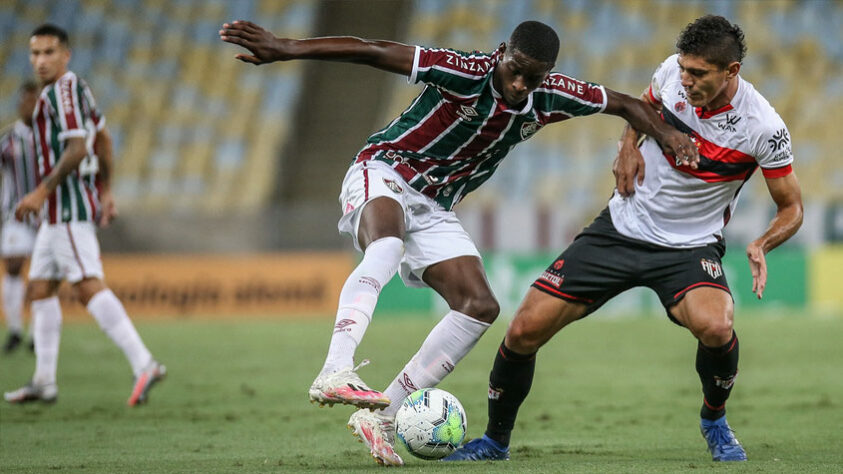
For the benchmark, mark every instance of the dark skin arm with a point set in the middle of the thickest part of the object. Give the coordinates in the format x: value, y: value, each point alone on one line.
x: 629, y: 161
x: 103, y: 148
x: 787, y: 195
x: 642, y: 118
x: 266, y: 48
x: 72, y: 155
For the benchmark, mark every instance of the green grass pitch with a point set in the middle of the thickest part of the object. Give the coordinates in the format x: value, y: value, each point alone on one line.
x: 610, y: 395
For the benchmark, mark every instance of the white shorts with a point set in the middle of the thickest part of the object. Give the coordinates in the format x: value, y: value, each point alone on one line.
x: 17, y: 239
x: 68, y: 251
x: 433, y: 234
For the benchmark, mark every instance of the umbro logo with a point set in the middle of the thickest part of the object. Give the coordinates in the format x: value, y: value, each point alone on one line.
x: 466, y: 113
x: 407, y: 384
x: 344, y: 322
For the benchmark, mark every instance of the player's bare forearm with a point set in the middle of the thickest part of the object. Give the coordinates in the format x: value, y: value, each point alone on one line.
x: 266, y: 47
x: 71, y: 157
x: 788, y: 219
x: 643, y: 117
x: 104, y: 149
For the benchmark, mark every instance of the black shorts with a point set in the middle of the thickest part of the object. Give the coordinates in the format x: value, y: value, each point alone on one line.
x: 601, y: 263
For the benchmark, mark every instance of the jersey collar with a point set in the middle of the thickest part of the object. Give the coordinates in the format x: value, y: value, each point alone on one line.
x: 706, y: 114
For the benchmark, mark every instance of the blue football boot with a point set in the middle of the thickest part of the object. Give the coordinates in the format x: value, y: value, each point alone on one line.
x: 480, y: 449
x: 721, y: 440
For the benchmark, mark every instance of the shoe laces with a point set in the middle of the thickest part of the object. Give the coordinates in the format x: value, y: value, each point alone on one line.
x: 722, y: 435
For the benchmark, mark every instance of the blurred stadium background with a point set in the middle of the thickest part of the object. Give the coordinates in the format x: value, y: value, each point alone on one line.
x: 216, y: 158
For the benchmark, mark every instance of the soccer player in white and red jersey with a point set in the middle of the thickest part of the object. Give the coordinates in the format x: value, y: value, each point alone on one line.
x: 17, y: 162
x: 663, y: 229
x: 70, y: 140
x: 398, y: 195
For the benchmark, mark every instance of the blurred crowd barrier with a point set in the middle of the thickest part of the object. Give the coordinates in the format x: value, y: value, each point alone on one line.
x: 198, y: 133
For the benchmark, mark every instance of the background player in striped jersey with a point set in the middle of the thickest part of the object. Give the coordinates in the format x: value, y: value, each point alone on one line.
x: 398, y: 194
x: 17, y: 161
x: 67, y: 127
x: 664, y: 230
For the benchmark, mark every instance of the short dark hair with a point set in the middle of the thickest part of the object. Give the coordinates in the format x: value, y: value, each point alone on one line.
x: 28, y: 86
x: 536, y: 40
x: 714, y: 39
x: 49, y: 29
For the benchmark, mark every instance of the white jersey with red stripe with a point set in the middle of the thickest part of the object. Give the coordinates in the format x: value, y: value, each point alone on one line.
x: 680, y: 207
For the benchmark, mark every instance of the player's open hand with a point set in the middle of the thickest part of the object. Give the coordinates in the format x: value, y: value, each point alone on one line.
x: 681, y: 147
x: 31, y: 204
x: 264, y: 46
x: 109, y: 208
x: 758, y: 267
x: 628, y: 164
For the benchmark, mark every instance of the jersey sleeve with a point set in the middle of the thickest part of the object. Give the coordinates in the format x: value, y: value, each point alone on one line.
x: 69, y: 108
x: 89, y: 107
x: 773, y: 150
x: 562, y: 97
x: 453, y: 71
x: 660, y: 77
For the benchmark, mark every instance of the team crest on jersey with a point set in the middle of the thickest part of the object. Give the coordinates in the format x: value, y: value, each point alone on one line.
x: 528, y: 129
x: 393, y: 186
x: 466, y: 113
x: 680, y: 106
x: 714, y: 269
x: 557, y: 265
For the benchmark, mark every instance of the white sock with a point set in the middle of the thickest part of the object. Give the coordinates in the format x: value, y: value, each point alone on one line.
x: 115, y: 323
x: 13, y: 291
x: 46, y: 331
x: 358, y: 299
x: 444, y: 347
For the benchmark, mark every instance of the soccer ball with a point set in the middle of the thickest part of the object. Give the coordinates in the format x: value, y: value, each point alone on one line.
x: 430, y: 423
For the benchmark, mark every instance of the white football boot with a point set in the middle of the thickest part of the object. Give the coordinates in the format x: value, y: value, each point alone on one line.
x: 31, y: 392
x: 346, y: 387
x: 377, y: 432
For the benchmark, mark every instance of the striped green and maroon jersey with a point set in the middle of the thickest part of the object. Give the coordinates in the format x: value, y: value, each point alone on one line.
x: 18, y: 164
x: 67, y: 109
x: 454, y: 135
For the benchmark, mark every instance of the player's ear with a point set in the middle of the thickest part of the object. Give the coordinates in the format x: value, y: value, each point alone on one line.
x: 502, y: 48
x: 733, y: 69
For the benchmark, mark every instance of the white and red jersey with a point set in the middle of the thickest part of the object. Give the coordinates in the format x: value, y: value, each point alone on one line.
x: 681, y: 207
x: 66, y: 109
x: 453, y: 136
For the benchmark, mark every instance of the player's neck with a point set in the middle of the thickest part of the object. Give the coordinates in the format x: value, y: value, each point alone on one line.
x: 725, y: 97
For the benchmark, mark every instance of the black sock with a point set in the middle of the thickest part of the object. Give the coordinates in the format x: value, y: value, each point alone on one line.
x: 509, y: 384
x: 718, y: 367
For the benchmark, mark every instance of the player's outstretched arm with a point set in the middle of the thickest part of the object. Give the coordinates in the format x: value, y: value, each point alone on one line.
x: 266, y: 48
x: 629, y: 163
x: 644, y: 119
x: 787, y: 195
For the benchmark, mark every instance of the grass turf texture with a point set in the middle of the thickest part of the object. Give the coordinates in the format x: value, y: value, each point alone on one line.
x: 609, y: 396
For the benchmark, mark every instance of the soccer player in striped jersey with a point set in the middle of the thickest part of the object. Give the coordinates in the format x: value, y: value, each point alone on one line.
x: 74, y: 164
x: 664, y: 230
x: 398, y: 195
x: 17, y: 162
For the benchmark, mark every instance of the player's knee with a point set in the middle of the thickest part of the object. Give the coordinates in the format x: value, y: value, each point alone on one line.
x: 716, y: 332
x: 481, y: 307
x: 522, y: 338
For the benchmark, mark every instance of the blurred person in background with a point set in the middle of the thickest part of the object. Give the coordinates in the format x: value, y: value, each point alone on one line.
x: 664, y: 229
x: 398, y: 195
x: 73, y: 194
x: 18, y: 165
